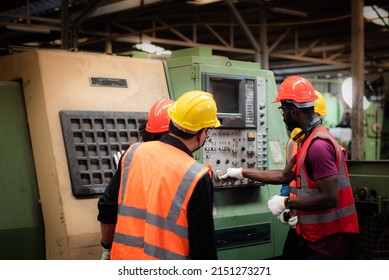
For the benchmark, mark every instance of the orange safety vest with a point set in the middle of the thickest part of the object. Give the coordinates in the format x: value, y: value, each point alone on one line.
x: 155, y: 187
x: 315, y: 225
x: 291, y: 150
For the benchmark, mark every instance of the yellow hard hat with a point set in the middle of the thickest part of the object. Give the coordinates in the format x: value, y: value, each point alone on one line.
x: 320, y: 104
x: 194, y: 110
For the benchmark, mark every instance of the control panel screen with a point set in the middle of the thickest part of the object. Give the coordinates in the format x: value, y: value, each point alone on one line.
x: 228, y: 101
x: 235, y: 97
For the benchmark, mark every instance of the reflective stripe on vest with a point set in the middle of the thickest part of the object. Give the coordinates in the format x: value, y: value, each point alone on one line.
x: 343, y: 218
x: 291, y: 150
x: 327, y: 217
x: 126, y: 165
x: 171, y: 224
x: 149, y: 249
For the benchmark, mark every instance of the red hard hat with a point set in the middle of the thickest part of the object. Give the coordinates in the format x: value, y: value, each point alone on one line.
x: 297, y: 90
x: 158, y: 119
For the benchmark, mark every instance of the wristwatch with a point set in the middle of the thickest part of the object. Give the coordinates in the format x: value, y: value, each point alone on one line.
x: 288, y: 203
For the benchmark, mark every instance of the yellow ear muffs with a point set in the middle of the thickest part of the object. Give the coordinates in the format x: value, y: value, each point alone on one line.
x: 297, y: 135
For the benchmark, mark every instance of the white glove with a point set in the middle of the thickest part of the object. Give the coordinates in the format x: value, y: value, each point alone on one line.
x: 235, y: 173
x: 276, y: 204
x: 106, y: 254
x: 281, y: 216
x: 293, y: 221
x: 116, y: 158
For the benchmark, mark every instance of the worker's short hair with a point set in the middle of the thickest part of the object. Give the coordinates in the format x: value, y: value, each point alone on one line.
x: 180, y: 133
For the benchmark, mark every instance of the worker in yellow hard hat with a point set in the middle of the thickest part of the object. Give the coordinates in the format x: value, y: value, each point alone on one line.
x: 166, y: 196
x: 320, y: 106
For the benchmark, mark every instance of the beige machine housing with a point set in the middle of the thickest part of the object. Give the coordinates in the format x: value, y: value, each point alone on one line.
x: 54, y: 81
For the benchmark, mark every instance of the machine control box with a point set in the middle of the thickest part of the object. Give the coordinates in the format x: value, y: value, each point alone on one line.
x: 237, y: 144
x: 226, y: 148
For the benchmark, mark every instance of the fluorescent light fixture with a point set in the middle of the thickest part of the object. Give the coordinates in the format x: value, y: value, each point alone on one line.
x: 202, y: 2
x: 376, y: 15
x: 150, y: 48
x: 120, y: 6
x: 347, y: 94
x: 29, y: 28
x: 290, y: 12
x: 32, y: 44
x: 58, y: 42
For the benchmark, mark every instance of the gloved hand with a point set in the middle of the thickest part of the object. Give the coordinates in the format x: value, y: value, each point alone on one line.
x: 284, y: 216
x: 116, y: 158
x: 293, y: 221
x: 235, y: 173
x: 276, y: 204
x: 106, y: 254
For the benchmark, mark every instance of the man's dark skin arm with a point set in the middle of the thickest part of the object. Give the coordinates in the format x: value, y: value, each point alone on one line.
x: 107, y: 233
x: 326, y: 198
x: 107, y: 206
x: 273, y: 177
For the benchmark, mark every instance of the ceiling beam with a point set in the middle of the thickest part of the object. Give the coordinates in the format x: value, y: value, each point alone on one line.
x: 41, y: 19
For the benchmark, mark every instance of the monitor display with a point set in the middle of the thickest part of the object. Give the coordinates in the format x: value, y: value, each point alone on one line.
x: 226, y: 94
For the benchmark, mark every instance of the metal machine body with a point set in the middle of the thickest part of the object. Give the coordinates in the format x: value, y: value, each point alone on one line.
x: 243, y: 141
x: 80, y: 109
x: 21, y: 223
x: 373, y: 130
x: 252, y: 135
x: 369, y: 180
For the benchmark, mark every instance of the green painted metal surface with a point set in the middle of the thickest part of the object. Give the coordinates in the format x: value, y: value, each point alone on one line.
x: 21, y: 224
x: 240, y: 206
x: 370, y: 183
x: 374, y: 116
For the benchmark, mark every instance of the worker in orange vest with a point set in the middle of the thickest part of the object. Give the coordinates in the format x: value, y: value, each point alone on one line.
x: 156, y: 126
x: 324, y: 200
x: 166, y: 196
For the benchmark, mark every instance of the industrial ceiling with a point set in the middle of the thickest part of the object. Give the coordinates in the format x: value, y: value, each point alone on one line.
x: 311, y: 38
